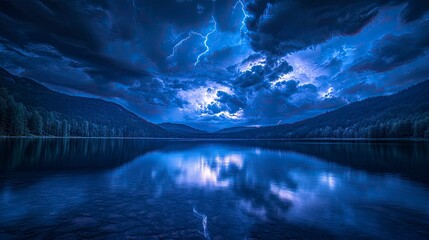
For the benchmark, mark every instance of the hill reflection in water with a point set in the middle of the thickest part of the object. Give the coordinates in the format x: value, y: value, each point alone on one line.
x: 271, y: 189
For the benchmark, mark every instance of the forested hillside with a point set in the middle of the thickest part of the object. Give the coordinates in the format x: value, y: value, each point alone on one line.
x: 401, y: 115
x: 181, y: 129
x: 28, y: 108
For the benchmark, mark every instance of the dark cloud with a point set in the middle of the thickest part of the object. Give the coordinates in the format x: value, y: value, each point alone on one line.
x: 392, y: 51
x: 232, y: 103
x: 362, y: 87
x: 287, y: 101
x: 253, y: 77
x: 398, y: 80
x: 119, y: 51
x: 279, y: 27
x: 225, y: 103
x: 225, y: 56
x: 269, y: 107
x: 260, y: 75
x: 229, y: 18
x: 163, y: 24
x: 43, y: 22
x: 278, y: 69
x: 286, y: 88
x: 414, y: 10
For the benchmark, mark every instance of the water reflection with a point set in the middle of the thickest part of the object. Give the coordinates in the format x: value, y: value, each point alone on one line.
x: 205, y: 170
x: 175, y: 189
x: 36, y: 154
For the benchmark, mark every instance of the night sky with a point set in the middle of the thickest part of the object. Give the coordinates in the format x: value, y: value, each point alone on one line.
x: 219, y: 63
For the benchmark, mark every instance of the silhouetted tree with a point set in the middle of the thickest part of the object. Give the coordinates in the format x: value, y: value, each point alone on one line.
x: 18, y: 119
x: 36, y: 123
x: 64, y: 128
x: 3, y: 111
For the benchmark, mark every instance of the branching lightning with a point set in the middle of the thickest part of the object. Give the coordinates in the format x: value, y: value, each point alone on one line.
x: 193, y: 33
x: 206, y: 38
x: 243, y: 22
x: 190, y: 34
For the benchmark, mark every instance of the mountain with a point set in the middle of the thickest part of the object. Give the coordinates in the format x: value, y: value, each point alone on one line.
x: 62, y: 114
x: 234, y: 129
x: 29, y: 108
x: 180, y: 129
x: 404, y: 114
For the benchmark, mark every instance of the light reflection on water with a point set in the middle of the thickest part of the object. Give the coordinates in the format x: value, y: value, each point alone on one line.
x: 272, y: 190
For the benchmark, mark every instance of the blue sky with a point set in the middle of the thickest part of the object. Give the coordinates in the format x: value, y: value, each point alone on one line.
x: 214, y: 64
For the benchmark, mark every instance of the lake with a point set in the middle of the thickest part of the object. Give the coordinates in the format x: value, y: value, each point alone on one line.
x: 158, y: 189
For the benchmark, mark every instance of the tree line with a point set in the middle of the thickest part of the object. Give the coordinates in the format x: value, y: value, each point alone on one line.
x: 403, y: 115
x: 397, y: 122
x: 16, y: 119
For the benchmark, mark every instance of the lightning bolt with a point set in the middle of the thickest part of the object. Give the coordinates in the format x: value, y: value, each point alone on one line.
x: 190, y: 34
x: 243, y: 22
x: 206, y: 38
x: 136, y: 9
x: 193, y: 33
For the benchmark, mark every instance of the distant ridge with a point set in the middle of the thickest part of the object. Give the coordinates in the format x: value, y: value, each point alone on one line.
x: 234, y: 129
x: 401, y: 115
x: 180, y: 128
x: 28, y: 108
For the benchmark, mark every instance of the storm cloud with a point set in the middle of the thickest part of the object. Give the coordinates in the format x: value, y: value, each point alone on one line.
x: 392, y: 51
x: 222, y: 63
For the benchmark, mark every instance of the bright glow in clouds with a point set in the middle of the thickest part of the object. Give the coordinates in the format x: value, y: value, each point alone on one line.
x: 304, y: 70
x: 248, y: 65
x: 199, y: 99
x: 328, y: 93
x: 173, y: 50
x: 226, y: 114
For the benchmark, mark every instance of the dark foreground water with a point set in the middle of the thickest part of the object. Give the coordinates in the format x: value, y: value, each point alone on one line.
x: 139, y: 189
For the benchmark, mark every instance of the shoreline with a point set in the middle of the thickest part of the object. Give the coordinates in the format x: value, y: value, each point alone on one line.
x: 234, y: 139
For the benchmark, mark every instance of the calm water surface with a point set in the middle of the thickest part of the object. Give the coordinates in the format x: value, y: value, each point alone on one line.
x: 139, y: 189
